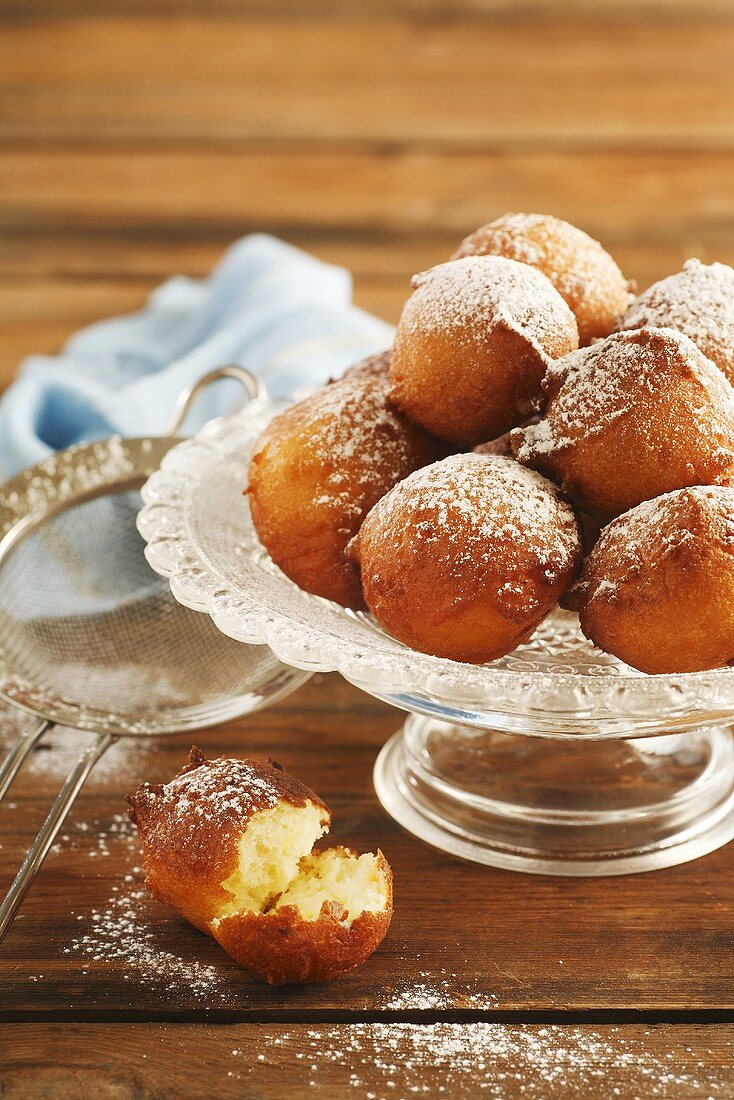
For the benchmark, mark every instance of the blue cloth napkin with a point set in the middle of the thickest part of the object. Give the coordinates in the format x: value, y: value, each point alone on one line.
x: 267, y: 306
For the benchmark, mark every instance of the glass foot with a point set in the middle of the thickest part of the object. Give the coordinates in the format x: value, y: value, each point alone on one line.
x: 552, y: 807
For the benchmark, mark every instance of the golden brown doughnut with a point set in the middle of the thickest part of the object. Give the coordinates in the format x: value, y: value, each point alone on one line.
x: 585, y: 276
x: 698, y: 301
x: 636, y: 415
x: 329, y: 921
x: 319, y: 467
x: 186, y: 866
x: 472, y: 346
x: 464, y: 558
x: 229, y: 844
x: 657, y: 590
x: 374, y: 366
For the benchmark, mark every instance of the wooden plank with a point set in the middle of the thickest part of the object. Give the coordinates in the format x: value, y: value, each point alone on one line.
x: 540, y: 10
x: 152, y: 255
x: 645, y: 196
x: 449, y: 83
x: 378, y: 1061
x: 465, y: 939
x: 52, y: 285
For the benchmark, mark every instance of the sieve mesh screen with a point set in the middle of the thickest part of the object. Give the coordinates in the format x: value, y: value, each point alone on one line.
x: 83, y: 618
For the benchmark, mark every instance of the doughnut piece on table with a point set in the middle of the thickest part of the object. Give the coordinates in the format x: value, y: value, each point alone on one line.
x: 229, y: 844
x: 657, y: 590
x: 464, y: 558
x: 318, y: 468
x: 697, y: 301
x: 331, y: 918
x: 196, y: 830
x: 583, y: 273
x: 472, y: 345
x: 633, y: 416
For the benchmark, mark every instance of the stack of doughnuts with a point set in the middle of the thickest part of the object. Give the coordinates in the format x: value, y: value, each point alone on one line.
x: 535, y: 435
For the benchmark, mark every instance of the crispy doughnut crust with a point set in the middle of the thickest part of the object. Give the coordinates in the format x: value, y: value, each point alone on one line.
x: 698, y: 301
x: 319, y: 467
x: 281, y: 947
x: 583, y: 273
x: 185, y: 867
x: 465, y: 558
x: 657, y: 590
x: 472, y: 345
x: 636, y: 415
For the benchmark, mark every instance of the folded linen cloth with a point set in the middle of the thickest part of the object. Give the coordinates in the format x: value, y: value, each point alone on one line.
x: 267, y: 306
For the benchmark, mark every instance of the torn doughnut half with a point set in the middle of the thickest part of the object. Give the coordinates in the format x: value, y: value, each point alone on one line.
x: 229, y: 844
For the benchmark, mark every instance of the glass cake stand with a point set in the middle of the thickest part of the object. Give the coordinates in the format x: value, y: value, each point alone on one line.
x: 556, y: 759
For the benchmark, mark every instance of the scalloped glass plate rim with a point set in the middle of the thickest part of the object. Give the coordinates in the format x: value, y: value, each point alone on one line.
x: 168, y: 520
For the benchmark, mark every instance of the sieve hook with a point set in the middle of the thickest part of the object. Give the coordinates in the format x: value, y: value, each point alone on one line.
x: 15, y: 759
x: 81, y: 770
x: 47, y: 833
x: 254, y: 386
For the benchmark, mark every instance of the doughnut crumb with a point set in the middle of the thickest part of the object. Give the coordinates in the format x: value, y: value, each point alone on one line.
x: 229, y: 843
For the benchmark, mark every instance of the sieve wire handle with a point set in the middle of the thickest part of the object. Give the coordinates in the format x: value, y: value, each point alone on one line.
x: 253, y: 385
x: 13, y: 762
x: 47, y: 833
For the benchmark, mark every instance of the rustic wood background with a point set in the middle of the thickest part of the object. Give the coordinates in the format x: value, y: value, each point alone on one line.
x: 139, y: 138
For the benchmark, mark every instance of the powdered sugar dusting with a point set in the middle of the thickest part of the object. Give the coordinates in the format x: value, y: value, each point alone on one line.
x: 479, y: 292
x: 653, y: 531
x: 561, y: 250
x: 225, y: 791
x: 434, y: 990
x: 580, y: 269
x: 359, y: 443
x: 471, y: 508
x: 399, y: 1060
x: 697, y: 301
x: 124, y: 933
x: 592, y: 388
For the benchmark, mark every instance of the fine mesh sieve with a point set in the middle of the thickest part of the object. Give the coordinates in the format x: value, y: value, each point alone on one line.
x: 90, y: 637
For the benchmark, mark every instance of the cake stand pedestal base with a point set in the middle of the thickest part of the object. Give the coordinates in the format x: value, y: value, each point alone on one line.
x: 559, y: 806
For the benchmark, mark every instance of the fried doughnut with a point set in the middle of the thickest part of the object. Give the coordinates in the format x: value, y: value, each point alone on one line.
x: 472, y: 346
x: 698, y: 301
x: 229, y: 844
x: 585, y: 276
x: 657, y: 590
x: 318, y: 468
x: 502, y: 445
x: 636, y: 415
x: 464, y: 558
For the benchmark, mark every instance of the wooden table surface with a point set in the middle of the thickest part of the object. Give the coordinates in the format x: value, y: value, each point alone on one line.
x: 139, y: 138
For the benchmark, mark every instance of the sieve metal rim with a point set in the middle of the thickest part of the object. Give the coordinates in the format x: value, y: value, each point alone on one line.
x: 71, y: 478
x: 66, y: 480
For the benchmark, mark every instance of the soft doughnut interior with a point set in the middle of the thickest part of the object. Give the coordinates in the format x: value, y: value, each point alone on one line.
x: 277, y: 867
x: 270, y: 851
x: 356, y: 883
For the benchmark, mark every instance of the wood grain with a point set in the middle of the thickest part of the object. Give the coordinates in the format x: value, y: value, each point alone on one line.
x: 446, y: 83
x: 139, y: 138
x: 655, y: 942
x: 604, y: 11
x: 378, y: 1061
x: 52, y: 284
x: 398, y: 194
